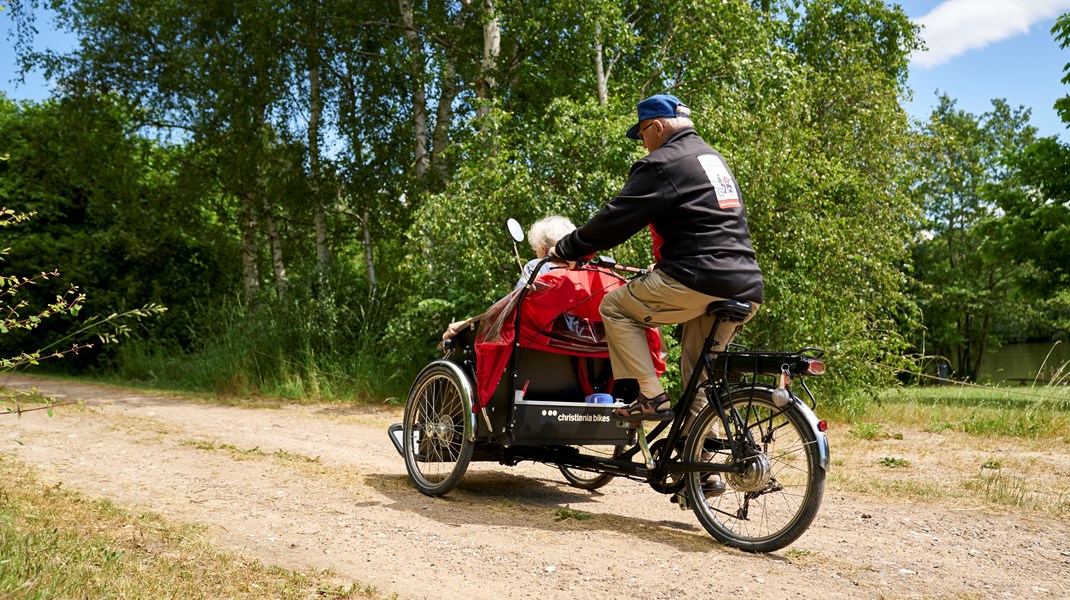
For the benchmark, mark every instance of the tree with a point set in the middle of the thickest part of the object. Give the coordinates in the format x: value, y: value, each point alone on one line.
x: 210, y: 75
x: 404, y: 133
x: 814, y: 141
x: 19, y: 314
x: 105, y: 211
x: 1036, y: 225
x: 968, y: 279
x: 1061, y: 31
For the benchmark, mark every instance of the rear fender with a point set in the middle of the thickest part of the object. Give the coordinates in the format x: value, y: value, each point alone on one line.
x: 813, y: 421
x: 808, y: 415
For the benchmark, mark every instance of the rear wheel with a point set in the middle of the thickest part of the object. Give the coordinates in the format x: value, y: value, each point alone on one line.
x: 590, y: 480
x: 776, y: 497
x: 436, y: 450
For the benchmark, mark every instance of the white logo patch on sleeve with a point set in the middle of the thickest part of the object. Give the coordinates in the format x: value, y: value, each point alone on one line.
x: 723, y: 183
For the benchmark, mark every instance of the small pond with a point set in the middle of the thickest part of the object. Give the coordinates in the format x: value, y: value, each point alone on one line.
x: 1020, y: 363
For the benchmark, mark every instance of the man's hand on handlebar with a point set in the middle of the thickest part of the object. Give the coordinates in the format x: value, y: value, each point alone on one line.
x: 572, y: 264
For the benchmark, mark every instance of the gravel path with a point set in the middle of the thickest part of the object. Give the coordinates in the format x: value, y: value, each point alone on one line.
x: 322, y: 487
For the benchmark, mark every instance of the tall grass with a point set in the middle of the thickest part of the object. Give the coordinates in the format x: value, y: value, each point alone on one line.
x: 1029, y: 412
x: 298, y: 346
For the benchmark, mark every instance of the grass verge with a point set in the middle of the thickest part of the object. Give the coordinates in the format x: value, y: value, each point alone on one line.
x: 1024, y: 412
x: 964, y: 447
x: 54, y: 543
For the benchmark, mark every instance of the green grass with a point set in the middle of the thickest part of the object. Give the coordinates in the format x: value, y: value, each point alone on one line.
x: 1033, y: 413
x: 947, y: 451
x: 57, y: 544
x: 998, y: 486
x: 569, y: 513
x: 872, y: 432
x: 893, y: 463
x: 300, y: 347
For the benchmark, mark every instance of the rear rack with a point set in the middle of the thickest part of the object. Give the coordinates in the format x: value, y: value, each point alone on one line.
x: 747, y: 362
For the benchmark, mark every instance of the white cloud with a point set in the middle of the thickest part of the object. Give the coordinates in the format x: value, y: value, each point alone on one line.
x: 958, y: 26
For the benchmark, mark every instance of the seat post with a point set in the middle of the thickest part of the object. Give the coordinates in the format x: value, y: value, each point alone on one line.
x: 722, y: 311
x: 725, y: 311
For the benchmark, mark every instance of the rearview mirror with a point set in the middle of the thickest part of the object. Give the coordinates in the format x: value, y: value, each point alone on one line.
x: 515, y: 230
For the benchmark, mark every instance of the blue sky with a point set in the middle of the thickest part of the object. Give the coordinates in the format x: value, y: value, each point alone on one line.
x: 984, y: 49
x: 977, y: 50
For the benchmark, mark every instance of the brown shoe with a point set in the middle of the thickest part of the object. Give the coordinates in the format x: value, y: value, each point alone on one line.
x: 712, y: 485
x: 658, y: 408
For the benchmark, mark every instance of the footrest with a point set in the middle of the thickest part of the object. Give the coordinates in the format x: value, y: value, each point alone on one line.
x: 396, y: 431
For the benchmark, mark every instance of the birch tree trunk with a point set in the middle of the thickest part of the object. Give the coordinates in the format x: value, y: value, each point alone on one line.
x: 315, y: 101
x: 444, y: 113
x: 278, y: 266
x: 601, y: 78
x: 492, y: 47
x: 419, y: 96
x: 248, y: 226
x: 366, y: 220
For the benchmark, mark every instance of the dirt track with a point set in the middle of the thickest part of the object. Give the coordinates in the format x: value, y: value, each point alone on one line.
x: 323, y: 487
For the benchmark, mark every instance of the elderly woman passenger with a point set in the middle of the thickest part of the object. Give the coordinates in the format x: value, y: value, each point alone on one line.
x: 543, y: 236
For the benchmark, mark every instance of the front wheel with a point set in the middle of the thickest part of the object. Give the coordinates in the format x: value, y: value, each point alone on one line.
x: 590, y: 480
x: 776, y: 496
x: 434, y: 444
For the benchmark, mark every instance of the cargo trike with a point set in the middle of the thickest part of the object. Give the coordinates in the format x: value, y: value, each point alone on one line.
x: 530, y: 380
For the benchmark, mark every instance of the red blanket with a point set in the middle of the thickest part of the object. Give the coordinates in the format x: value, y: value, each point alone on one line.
x: 560, y: 315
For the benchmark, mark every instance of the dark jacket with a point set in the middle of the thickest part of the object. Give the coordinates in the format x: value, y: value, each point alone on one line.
x: 687, y: 195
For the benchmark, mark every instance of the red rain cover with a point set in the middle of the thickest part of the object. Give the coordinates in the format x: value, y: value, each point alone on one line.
x: 560, y: 315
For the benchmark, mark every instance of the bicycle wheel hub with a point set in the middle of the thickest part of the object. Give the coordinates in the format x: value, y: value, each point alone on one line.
x: 756, y: 474
x: 441, y: 429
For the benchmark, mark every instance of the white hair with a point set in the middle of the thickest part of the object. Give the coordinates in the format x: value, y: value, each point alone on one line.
x: 545, y: 232
x: 679, y: 122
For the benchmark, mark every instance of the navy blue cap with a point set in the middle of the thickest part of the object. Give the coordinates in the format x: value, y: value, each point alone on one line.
x: 661, y: 106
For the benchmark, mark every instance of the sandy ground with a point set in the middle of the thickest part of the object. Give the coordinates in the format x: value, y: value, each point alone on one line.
x: 322, y: 487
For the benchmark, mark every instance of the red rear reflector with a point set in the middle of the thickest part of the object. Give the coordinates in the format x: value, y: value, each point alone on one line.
x: 815, y: 367
x: 822, y: 425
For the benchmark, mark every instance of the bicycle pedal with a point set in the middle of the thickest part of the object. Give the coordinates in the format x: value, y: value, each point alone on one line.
x: 681, y: 500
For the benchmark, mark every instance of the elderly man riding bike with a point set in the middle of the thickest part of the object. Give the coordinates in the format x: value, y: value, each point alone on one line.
x: 685, y: 193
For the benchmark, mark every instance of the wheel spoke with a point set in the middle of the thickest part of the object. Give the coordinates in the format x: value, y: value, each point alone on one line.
x: 438, y: 452
x: 775, y: 497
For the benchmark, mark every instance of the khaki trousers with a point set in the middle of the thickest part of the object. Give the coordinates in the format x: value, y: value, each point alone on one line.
x: 653, y: 300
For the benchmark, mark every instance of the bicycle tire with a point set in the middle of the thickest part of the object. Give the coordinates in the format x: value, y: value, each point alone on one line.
x: 776, y: 500
x: 434, y: 445
x: 590, y: 480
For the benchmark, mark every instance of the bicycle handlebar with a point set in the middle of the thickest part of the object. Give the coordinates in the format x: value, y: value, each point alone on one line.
x: 604, y: 262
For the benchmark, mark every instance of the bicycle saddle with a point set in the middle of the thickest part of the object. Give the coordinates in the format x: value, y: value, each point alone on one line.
x: 732, y: 311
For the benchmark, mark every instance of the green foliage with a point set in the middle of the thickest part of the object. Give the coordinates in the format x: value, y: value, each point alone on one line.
x: 1061, y: 31
x: 460, y: 254
x: 892, y: 462
x: 105, y: 211
x: 433, y: 148
x: 23, y: 315
x: 1035, y: 229
x: 969, y: 280
x: 817, y: 163
x: 817, y: 147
